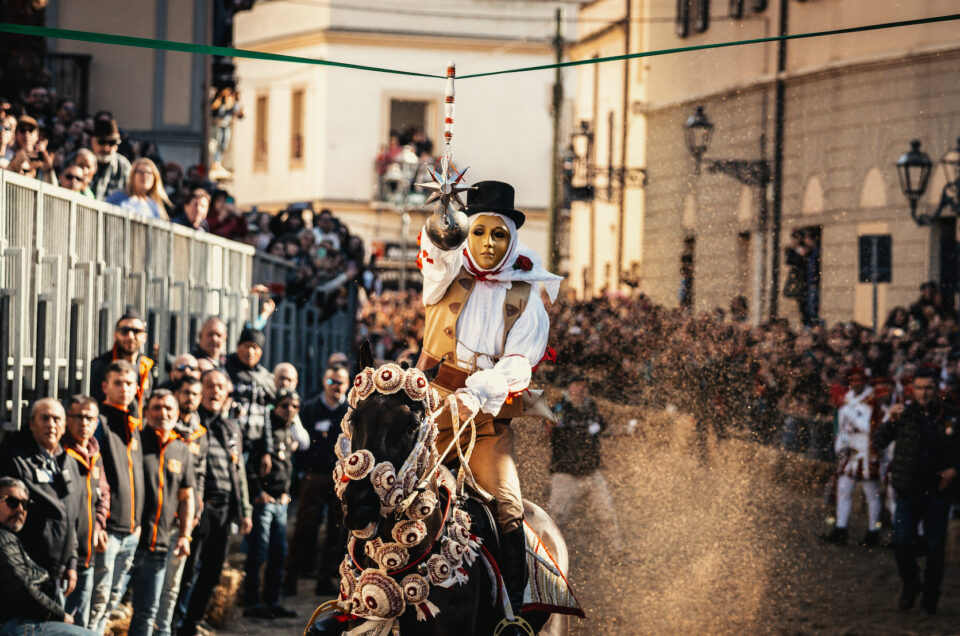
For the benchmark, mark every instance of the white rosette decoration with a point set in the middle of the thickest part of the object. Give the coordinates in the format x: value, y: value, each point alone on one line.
x: 416, y: 589
x: 370, y: 547
x: 381, y: 595
x: 388, y: 379
x: 346, y: 426
x: 363, y: 386
x: 439, y: 571
x: 423, y: 505
x: 383, y: 478
x: 358, y: 465
x: 391, y: 556
x: 452, y: 551
x: 409, y: 533
x: 415, y: 385
x: 366, y: 532
x: 348, y: 580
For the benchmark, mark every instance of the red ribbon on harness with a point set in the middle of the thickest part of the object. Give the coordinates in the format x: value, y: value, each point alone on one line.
x: 550, y: 355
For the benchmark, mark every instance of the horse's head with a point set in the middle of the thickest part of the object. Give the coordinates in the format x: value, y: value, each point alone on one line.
x: 388, y: 425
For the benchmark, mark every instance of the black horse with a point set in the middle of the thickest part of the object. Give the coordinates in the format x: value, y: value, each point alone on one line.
x: 387, y: 426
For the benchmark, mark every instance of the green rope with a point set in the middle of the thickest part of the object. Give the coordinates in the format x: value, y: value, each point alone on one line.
x: 204, y: 49
x: 187, y: 47
x: 718, y: 45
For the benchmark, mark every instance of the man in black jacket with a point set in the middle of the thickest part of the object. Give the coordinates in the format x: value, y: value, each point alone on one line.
x: 53, y: 480
x: 26, y: 605
x: 253, y: 392
x: 926, y: 459
x: 211, y: 342
x: 168, y: 502
x: 129, y: 336
x: 270, y: 495
x: 198, y: 441
x: 225, y: 500
x: 321, y: 416
x: 575, y: 462
x: 120, y: 447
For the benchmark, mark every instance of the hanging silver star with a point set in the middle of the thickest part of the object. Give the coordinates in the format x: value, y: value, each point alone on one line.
x: 445, y: 184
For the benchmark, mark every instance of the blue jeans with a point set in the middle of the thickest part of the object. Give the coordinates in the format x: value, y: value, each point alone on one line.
x: 78, y: 603
x: 268, y: 542
x: 110, y: 576
x: 148, y: 573
x: 934, y: 510
x: 168, y: 595
x: 28, y: 627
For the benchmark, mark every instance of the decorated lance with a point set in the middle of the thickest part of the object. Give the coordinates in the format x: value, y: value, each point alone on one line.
x: 448, y: 226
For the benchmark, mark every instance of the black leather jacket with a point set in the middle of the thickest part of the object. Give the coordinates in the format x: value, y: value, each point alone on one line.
x: 25, y: 584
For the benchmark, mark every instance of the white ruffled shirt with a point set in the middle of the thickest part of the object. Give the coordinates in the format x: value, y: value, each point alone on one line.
x: 480, y: 329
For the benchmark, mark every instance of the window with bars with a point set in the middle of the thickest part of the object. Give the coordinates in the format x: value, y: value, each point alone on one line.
x: 736, y: 9
x: 260, y: 134
x: 296, y: 128
x: 683, y: 18
x: 701, y: 19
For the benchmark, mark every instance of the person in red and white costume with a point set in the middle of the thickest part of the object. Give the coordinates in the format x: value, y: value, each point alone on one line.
x: 859, y: 462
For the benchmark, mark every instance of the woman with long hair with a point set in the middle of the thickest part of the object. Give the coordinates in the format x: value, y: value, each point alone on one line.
x: 144, y: 193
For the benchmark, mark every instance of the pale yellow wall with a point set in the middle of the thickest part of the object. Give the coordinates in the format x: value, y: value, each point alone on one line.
x: 121, y: 78
x: 178, y: 66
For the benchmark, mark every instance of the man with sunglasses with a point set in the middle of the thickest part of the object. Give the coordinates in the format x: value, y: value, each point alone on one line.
x: 321, y: 416
x: 129, y: 337
x: 184, y: 365
x: 53, y: 480
x: 26, y: 605
x: 113, y: 169
x: 72, y: 179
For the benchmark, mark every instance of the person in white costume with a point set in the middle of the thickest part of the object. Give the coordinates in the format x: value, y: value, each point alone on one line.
x: 858, y: 461
x: 486, y: 327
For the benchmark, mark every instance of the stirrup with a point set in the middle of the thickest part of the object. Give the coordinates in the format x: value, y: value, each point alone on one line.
x: 519, y: 621
x: 330, y: 605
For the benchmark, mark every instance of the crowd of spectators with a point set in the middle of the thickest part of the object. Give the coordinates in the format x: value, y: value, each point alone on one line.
x: 771, y: 382
x: 47, y: 137
x: 121, y: 504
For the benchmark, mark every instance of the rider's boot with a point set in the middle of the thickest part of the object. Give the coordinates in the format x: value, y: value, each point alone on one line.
x: 513, y: 568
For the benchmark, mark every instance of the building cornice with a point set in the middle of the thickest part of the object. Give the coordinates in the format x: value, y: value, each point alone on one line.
x: 395, y: 38
x: 809, y: 73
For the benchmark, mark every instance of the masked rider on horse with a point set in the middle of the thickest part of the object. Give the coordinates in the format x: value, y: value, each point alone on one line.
x: 486, y: 322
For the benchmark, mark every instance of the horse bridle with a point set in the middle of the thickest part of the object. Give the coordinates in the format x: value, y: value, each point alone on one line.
x: 372, y: 592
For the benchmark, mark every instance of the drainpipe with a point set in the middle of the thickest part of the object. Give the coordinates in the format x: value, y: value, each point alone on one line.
x: 623, y: 143
x: 778, y: 126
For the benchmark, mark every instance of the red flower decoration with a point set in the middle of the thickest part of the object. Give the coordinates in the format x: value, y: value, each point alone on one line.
x: 524, y: 263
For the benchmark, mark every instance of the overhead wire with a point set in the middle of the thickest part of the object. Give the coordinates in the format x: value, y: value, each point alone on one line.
x: 188, y: 47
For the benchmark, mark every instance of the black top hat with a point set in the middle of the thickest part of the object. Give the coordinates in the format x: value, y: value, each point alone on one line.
x: 493, y: 196
x: 106, y: 129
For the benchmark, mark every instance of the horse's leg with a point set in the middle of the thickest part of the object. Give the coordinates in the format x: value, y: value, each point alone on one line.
x: 549, y: 533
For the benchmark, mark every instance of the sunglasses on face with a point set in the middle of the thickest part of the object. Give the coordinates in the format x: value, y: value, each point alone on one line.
x: 186, y: 367
x: 126, y: 331
x: 107, y: 142
x: 332, y: 382
x: 15, y: 502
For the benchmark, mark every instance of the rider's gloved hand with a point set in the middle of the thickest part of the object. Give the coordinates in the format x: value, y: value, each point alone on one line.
x: 468, y: 404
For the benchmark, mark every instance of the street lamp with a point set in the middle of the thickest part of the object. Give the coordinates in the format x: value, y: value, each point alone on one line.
x: 585, y: 172
x: 699, y: 131
x: 913, y: 168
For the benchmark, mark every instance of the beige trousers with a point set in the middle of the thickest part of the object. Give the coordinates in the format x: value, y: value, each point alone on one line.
x: 493, y: 467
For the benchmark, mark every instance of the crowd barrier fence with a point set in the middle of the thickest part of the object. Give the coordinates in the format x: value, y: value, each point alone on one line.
x: 70, y: 265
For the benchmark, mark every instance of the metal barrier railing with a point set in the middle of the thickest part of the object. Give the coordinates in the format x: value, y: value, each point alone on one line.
x: 296, y: 333
x: 69, y: 265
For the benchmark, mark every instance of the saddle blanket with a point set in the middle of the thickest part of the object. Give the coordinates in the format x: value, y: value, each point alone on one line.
x: 547, y: 587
